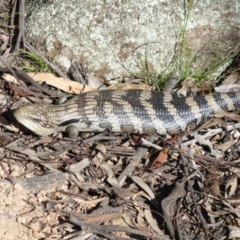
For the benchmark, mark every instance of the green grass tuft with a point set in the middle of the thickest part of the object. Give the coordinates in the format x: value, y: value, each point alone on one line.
x: 186, y: 63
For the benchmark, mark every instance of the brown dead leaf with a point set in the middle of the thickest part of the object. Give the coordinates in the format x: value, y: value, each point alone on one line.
x: 65, y: 85
x: 99, y: 218
x: 225, y: 146
x: 20, y: 91
x: 217, y: 120
x: 231, y: 79
x: 169, y: 204
x: 129, y: 86
x: 233, y: 116
x: 211, y: 123
x: 161, y: 158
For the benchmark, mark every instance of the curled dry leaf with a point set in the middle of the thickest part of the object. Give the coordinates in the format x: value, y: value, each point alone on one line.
x: 111, y: 178
x: 161, y: 158
x: 189, y: 83
x: 101, y: 148
x: 151, y: 221
x: 141, y: 222
x: 145, y: 187
x: 138, y: 204
x: 231, y: 186
x: 203, y: 141
x: 169, y: 204
x: 5, y: 123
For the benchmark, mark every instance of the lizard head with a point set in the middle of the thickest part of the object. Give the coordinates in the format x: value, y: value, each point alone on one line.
x: 37, y: 117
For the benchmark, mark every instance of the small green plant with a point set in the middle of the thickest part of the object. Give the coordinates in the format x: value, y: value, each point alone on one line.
x: 36, y: 63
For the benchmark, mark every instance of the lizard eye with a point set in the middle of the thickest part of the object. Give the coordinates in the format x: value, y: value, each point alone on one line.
x: 36, y: 120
